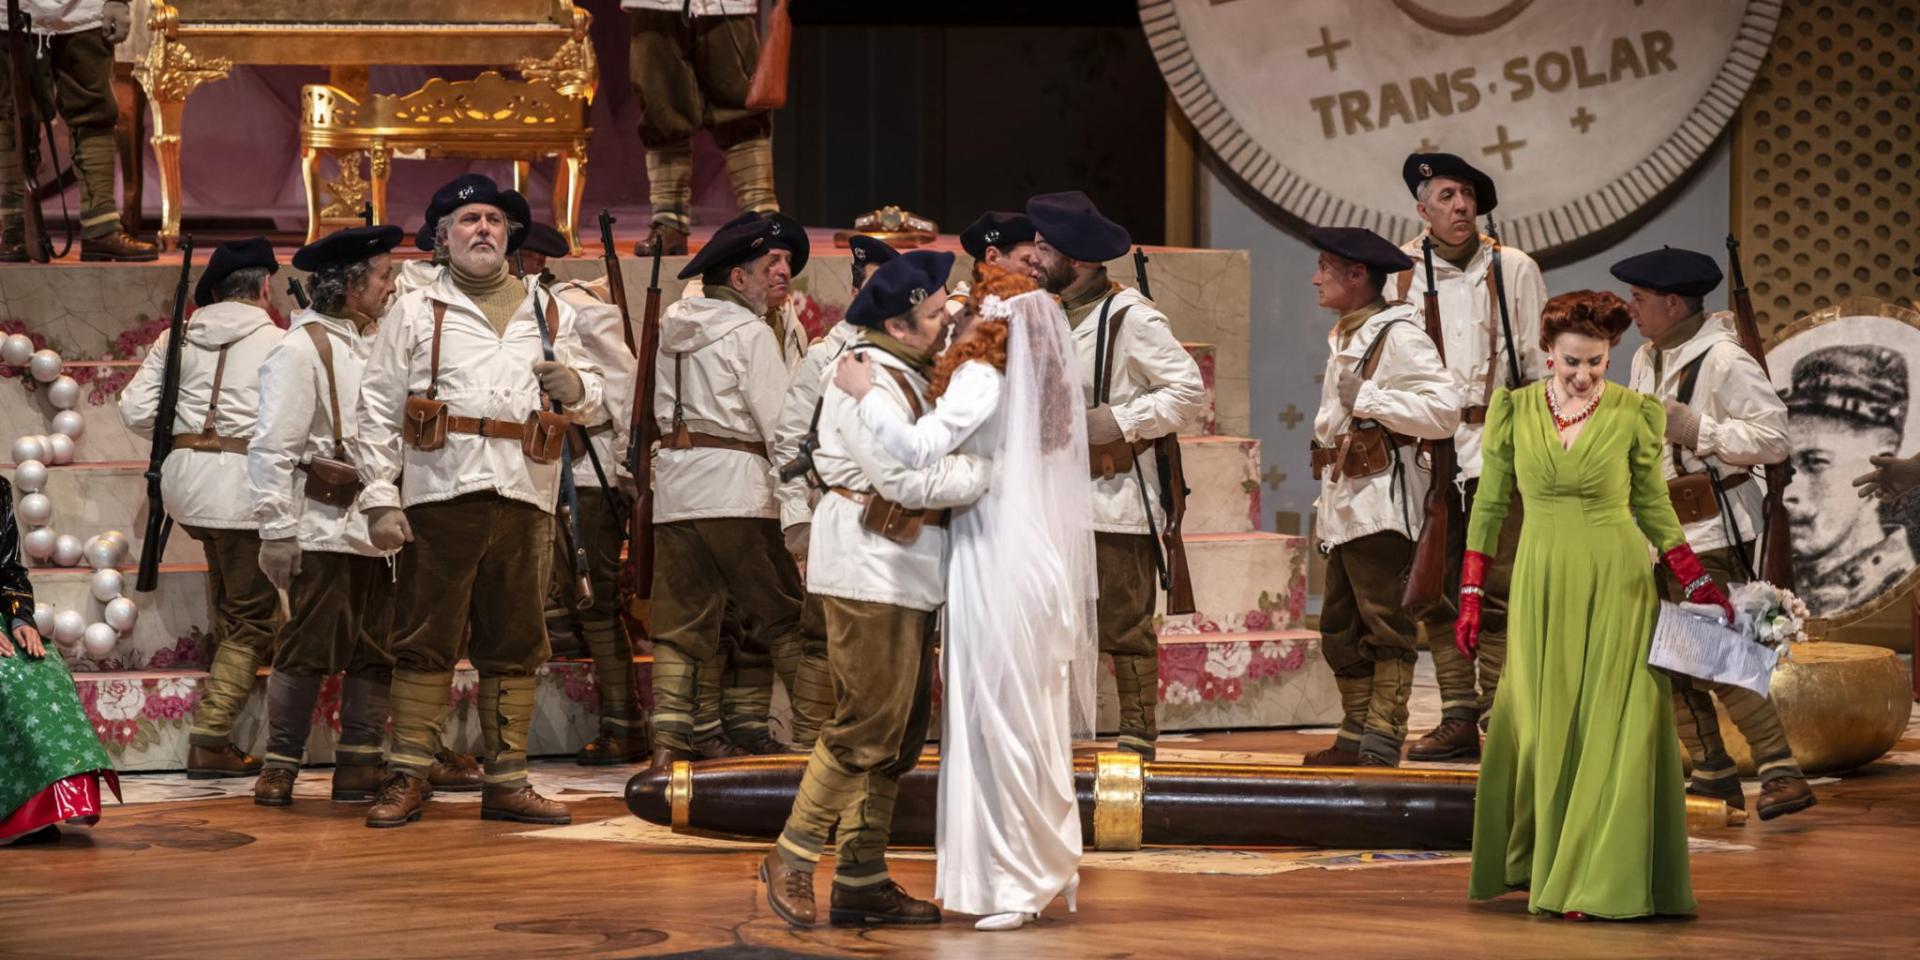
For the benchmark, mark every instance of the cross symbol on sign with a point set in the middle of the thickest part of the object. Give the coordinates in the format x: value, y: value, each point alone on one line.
x: 1504, y: 147
x: 1582, y: 119
x: 1274, y: 478
x: 1426, y: 146
x: 1291, y: 416
x: 1328, y: 48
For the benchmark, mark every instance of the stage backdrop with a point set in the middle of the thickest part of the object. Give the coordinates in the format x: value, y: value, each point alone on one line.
x: 1584, y: 110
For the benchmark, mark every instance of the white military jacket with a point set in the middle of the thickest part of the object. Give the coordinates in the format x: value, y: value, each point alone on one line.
x: 482, y: 374
x: 796, y: 415
x: 1743, y: 423
x: 845, y: 560
x: 1410, y: 393
x: 730, y: 384
x: 204, y: 488
x: 1155, y: 389
x: 1476, y: 347
x: 296, y: 425
x: 601, y: 336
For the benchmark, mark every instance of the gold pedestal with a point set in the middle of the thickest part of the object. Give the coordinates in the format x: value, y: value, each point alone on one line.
x: 1843, y: 705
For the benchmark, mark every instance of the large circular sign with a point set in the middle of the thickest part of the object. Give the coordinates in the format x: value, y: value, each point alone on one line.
x: 1847, y: 374
x: 1582, y: 110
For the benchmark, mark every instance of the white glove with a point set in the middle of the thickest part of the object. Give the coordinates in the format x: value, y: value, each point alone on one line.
x: 559, y: 381
x: 280, y: 561
x: 388, y: 528
x: 1102, y: 427
x: 1349, y: 387
x: 116, y: 23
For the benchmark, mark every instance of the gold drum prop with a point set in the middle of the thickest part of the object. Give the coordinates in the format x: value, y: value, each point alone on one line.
x: 1844, y: 705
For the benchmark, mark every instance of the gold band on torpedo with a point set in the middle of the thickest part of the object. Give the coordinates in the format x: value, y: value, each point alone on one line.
x: 680, y: 794
x: 1119, y: 793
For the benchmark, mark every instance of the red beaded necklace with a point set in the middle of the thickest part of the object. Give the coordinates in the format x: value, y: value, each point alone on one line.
x: 1562, y: 422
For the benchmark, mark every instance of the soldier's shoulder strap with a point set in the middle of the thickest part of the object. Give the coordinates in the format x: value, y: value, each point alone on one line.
x: 323, y: 345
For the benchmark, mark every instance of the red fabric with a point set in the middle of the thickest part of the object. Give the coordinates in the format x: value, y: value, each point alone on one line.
x: 1466, y: 627
x: 1686, y: 568
x: 67, y: 799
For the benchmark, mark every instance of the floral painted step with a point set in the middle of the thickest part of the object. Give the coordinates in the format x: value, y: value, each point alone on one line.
x: 175, y: 612
x: 1223, y: 483
x: 1243, y: 582
x: 92, y: 498
x: 1208, y: 423
x: 1267, y: 678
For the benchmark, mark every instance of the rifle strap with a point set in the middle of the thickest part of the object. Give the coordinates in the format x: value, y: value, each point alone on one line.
x: 1493, y: 345
x: 679, y: 408
x: 323, y: 345
x: 439, y: 320
x: 906, y: 387
x: 1689, y: 379
x: 213, y: 402
x: 1113, y: 347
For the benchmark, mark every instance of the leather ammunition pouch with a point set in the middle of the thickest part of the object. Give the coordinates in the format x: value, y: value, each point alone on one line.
x: 883, y: 517
x: 544, y: 436
x: 424, y: 423
x: 1693, y: 497
x: 1364, y: 451
x: 335, y: 483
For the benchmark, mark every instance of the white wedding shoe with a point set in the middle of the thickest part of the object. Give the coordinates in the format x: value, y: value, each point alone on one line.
x: 1004, y: 921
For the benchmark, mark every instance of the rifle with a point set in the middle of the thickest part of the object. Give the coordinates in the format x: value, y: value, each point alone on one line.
x: 298, y: 292
x: 768, y: 88
x: 576, y: 546
x: 366, y: 213
x: 1776, y: 550
x: 636, y: 574
x: 159, y: 524
x: 1426, y: 581
x: 1169, y: 546
x: 25, y: 137
x: 1514, y: 380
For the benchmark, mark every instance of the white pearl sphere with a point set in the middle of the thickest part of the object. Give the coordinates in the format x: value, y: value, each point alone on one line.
x: 30, y: 476
x: 39, y: 543
x: 102, y: 554
x: 43, y: 618
x: 60, y: 446
x: 107, y: 584
x: 120, y: 614
x: 118, y: 537
x: 30, y: 447
x: 68, y: 625
x: 35, y: 509
x: 66, y: 550
x: 98, y: 640
x: 64, y: 393
x: 70, y: 423
x: 17, y: 349
x: 45, y: 366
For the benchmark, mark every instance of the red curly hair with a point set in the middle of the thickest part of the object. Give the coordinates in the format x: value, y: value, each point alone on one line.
x: 985, y: 339
x: 1599, y: 314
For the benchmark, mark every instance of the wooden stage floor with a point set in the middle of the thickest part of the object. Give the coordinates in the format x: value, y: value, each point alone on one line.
x: 224, y: 878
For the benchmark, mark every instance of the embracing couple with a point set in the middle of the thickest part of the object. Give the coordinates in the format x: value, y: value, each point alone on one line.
x: 956, y: 479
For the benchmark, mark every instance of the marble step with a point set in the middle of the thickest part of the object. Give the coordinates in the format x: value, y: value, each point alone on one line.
x: 172, y: 623
x: 24, y: 411
x: 1203, y: 354
x: 1223, y: 483
x: 92, y: 498
x: 1243, y: 582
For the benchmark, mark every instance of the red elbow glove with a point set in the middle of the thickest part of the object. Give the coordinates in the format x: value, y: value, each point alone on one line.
x: 1466, y: 627
x: 1694, y: 581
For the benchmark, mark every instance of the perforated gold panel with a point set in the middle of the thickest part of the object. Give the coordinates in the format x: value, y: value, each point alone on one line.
x: 1826, y: 153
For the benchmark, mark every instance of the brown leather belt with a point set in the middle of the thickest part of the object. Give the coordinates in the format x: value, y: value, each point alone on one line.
x: 1476, y: 414
x: 211, y: 443
x: 487, y: 427
x: 932, y: 518
x: 691, y: 440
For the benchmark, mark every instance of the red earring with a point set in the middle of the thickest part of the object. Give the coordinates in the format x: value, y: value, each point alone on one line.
x: 1549, y: 363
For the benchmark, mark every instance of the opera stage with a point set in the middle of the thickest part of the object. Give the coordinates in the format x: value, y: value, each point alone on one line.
x: 223, y: 877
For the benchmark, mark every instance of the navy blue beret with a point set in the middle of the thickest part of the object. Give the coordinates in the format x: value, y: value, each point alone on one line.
x: 1071, y: 224
x: 996, y: 229
x: 1670, y: 270
x: 475, y: 188
x: 870, y: 250
x: 1421, y: 167
x: 546, y: 241
x: 898, y: 285
x: 343, y: 247
x: 230, y: 257
x: 1360, y: 245
x: 745, y: 238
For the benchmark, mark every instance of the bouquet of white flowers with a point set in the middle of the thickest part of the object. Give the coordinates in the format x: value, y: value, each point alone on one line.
x: 1769, y: 615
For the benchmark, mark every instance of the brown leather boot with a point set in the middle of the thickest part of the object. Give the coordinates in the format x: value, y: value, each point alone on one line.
x: 671, y: 242
x: 455, y: 773
x: 609, y: 749
x: 789, y: 891
x: 399, y: 801
x: 885, y: 903
x: 13, y: 250
x: 760, y: 743
x: 665, y: 757
x: 1338, y: 755
x: 1453, y: 739
x: 119, y: 247
x: 356, y: 782
x: 1783, y: 795
x: 519, y: 803
x: 274, y: 788
x: 719, y: 747
x: 206, y: 763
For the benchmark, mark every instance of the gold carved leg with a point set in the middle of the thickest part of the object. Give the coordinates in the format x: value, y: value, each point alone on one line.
x: 167, y: 115
x: 380, y: 167
x: 310, y: 178
x: 522, y: 173
x: 169, y: 72
x: 569, y: 185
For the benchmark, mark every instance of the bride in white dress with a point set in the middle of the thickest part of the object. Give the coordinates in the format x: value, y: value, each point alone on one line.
x: 1019, y: 654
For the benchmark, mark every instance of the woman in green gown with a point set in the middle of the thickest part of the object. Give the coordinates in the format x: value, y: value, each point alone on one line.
x: 1581, y: 799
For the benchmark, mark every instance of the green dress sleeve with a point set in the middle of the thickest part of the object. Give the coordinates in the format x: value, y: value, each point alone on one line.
x: 1652, y: 507
x: 1496, y: 475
